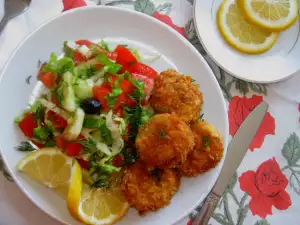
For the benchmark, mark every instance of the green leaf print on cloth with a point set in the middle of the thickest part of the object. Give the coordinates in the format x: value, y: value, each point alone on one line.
x: 291, y: 152
x: 261, y: 222
x: 144, y: 6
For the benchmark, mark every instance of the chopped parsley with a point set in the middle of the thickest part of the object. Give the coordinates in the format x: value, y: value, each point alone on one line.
x: 116, y: 91
x: 206, y: 141
x: 104, y: 45
x: 129, y: 155
x: 89, y: 145
x: 201, y: 117
x: 59, y: 66
x: 109, y: 66
x: 38, y: 109
x: 162, y: 134
x: 101, y: 125
x: 25, y: 146
x: 41, y: 133
x: 69, y: 52
x: 86, y: 72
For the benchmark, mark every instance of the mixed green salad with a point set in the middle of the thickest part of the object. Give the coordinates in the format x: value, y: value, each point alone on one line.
x: 95, y: 102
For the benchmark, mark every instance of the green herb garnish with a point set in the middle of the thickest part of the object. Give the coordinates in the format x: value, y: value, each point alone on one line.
x: 130, y: 156
x: 25, y: 146
x: 206, y: 141
x: 59, y: 66
x: 162, y: 134
x: 41, y: 133
x: 104, y: 45
x: 109, y: 66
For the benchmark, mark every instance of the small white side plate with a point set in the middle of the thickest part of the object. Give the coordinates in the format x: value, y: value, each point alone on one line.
x: 277, y: 64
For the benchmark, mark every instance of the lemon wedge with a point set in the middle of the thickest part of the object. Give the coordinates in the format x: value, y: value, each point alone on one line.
x: 49, y: 166
x: 275, y: 15
x: 240, y: 34
x: 98, y: 206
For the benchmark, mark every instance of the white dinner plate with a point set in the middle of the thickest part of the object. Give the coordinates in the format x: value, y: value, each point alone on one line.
x: 114, y: 25
x: 280, y: 62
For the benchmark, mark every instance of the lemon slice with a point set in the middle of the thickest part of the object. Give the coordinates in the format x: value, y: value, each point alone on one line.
x: 275, y: 15
x: 99, y: 206
x: 49, y: 166
x: 240, y: 34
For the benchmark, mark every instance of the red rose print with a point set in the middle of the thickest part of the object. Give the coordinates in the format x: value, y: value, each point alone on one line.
x: 266, y: 186
x: 167, y: 20
x: 71, y: 4
x: 239, y: 109
x: 190, y: 222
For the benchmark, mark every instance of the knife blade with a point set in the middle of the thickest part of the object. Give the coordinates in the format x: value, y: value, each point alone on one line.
x: 235, y: 153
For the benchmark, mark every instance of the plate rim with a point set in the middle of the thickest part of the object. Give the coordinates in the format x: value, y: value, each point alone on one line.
x: 184, y: 41
x: 224, y: 68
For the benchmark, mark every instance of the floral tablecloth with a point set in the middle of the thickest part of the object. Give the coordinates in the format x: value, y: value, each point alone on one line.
x: 266, y: 187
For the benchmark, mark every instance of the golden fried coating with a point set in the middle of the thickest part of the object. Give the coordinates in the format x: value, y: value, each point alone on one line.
x: 164, y: 141
x: 208, y: 150
x: 175, y: 93
x: 149, y: 190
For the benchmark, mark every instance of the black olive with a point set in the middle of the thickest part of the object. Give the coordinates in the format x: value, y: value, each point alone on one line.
x: 91, y: 106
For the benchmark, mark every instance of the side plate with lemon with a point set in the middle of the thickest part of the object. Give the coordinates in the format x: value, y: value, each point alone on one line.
x: 248, y: 37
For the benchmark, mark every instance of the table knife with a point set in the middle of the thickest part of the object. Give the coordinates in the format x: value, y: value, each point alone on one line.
x: 235, y: 153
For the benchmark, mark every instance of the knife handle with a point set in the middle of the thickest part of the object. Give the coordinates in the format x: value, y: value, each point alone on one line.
x: 207, y: 209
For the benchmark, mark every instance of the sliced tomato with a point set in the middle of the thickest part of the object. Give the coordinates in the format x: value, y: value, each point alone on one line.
x: 39, y: 145
x: 125, y: 57
x: 60, y: 142
x: 117, y: 161
x: 28, y: 124
x: 48, y: 78
x: 87, y: 43
x: 57, y: 120
x: 100, y: 92
x: 83, y: 163
x: 127, y: 86
x: 149, y: 83
x: 73, y: 149
x: 119, y: 112
x: 143, y: 69
x: 78, y: 58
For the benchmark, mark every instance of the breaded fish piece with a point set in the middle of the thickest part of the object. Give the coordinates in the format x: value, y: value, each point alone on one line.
x: 164, y: 141
x: 208, y: 150
x: 175, y: 93
x: 146, y: 190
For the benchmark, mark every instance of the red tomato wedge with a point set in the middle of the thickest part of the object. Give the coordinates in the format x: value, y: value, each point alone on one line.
x: 39, y: 145
x: 117, y: 161
x: 149, y: 83
x: 124, y: 57
x: 78, y: 58
x: 89, y: 44
x: 57, y: 120
x: 48, y: 78
x: 73, y: 149
x: 28, y: 124
x: 60, y: 142
x: 83, y: 163
x: 143, y: 69
x: 100, y: 92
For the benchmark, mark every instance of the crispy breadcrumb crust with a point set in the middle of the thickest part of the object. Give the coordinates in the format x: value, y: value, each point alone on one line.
x: 146, y: 192
x: 208, y: 150
x: 175, y: 93
x: 164, y: 141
